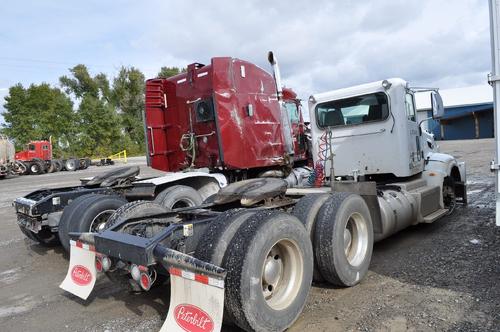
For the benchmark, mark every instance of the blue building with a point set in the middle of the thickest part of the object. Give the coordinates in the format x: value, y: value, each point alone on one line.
x: 468, y: 113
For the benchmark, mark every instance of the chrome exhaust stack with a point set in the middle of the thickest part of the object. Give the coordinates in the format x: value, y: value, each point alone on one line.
x: 276, y: 72
x: 285, y: 118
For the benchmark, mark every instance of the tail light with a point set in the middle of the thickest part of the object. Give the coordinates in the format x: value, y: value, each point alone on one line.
x: 98, y: 264
x: 145, y: 281
x: 102, y: 263
x: 142, y: 275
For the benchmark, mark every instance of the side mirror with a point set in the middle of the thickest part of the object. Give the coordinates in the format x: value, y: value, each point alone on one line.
x: 437, y: 105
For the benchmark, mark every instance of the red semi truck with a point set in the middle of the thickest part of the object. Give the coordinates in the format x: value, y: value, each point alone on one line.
x: 225, y: 117
x: 37, y: 159
x: 213, y: 125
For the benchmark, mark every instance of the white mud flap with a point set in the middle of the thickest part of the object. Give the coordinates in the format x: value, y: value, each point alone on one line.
x: 196, y: 302
x: 81, y: 276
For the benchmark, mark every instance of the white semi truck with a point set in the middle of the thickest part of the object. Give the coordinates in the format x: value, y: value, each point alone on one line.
x: 250, y: 255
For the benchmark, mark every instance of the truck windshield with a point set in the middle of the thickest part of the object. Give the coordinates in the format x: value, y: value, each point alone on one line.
x: 355, y: 110
x: 293, y: 112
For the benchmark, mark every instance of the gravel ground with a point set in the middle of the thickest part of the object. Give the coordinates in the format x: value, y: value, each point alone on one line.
x: 443, y: 276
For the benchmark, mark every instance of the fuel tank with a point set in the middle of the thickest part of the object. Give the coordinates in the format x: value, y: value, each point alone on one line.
x: 398, y: 210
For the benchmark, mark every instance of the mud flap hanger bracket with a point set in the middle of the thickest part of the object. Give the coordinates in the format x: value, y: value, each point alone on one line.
x: 172, y: 258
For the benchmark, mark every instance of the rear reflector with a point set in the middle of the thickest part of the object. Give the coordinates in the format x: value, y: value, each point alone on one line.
x: 197, y: 277
x: 145, y: 281
x: 98, y: 264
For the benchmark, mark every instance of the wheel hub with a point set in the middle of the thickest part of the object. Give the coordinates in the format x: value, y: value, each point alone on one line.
x: 281, y: 274
x: 99, y: 222
x: 272, y: 270
x: 355, y: 239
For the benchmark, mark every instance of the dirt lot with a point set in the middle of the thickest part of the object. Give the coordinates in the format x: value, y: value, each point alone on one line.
x: 441, y: 276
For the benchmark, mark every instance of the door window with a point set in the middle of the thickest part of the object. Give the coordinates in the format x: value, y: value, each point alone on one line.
x: 410, y: 107
x: 293, y: 112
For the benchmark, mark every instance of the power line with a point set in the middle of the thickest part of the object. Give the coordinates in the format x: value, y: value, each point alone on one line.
x: 48, y: 61
x: 58, y: 64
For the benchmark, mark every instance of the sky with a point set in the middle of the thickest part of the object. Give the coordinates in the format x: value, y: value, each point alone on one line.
x: 320, y: 45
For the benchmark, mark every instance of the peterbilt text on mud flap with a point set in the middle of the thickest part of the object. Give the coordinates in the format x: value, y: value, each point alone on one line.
x: 271, y: 242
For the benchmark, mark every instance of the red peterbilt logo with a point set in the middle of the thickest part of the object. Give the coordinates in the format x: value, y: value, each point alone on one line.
x: 193, y: 319
x: 81, y: 275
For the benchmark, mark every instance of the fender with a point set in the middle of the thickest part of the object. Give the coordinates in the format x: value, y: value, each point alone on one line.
x: 440, y: 165
x: 176, y: 176
x: 206, y: 184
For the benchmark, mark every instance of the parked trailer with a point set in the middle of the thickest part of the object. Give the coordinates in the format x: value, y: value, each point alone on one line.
x: 212, y: 125
x: 249, y: 257
x: 8, y: 164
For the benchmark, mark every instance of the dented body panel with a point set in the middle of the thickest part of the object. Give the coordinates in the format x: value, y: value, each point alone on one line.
x: 225, y: 116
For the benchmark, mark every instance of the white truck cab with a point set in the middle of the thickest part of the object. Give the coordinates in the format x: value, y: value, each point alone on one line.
x: 370, y: 133
x: 374, y: 130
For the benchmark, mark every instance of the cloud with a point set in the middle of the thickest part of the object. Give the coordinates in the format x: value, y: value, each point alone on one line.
x: 321, y: 45
x: 326, y: 45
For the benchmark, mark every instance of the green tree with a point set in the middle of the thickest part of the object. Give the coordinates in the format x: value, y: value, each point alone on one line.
x: 38, y: 112
x: 166, y: 72
x: 128, y: 98
x: 97, y: 123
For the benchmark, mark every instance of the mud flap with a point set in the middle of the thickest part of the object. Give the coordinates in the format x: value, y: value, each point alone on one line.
x: 81, y: 276
x: 196, y: 302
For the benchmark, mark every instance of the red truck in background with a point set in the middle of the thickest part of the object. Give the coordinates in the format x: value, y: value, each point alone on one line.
x: 37, y: 159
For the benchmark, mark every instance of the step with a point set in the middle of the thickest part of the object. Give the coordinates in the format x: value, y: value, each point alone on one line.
x: 435, y: 215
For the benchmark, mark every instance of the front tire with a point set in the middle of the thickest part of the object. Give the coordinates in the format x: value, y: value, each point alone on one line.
x: 36, y: 167
x: 344, y: 239
x: 269, y: 272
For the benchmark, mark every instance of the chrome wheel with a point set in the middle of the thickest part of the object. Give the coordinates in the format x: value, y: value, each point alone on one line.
x: 99, y: 222
x: 356, y: 239
x: 282, y: 273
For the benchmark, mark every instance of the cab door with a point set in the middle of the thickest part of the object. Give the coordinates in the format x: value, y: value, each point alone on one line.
x: 415, y: 161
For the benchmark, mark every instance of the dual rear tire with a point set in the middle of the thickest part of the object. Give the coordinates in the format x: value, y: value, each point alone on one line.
x: 341, y: 231
x: 272, y: 250
x: 71, y: 165
x: 90, y: 213
x: 87, y: 213
x: 178, y: 196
